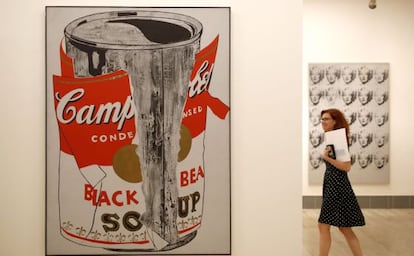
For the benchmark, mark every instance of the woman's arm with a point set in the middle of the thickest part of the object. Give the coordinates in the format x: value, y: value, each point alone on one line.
x: 343, y: 166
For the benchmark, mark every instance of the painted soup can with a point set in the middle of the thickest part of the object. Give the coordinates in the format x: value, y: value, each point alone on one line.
x: 122, y: 134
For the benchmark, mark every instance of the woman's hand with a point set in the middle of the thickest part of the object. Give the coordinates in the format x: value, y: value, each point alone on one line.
x: 343, y: 166
x: 326, y: 152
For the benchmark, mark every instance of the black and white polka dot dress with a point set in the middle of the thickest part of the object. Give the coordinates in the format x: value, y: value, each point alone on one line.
x: 339, y: 205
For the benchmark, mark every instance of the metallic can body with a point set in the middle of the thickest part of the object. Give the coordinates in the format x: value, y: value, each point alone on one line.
x: 157, y: 50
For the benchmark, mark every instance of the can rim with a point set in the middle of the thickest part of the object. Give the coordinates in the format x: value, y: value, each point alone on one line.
x: 191, y: 24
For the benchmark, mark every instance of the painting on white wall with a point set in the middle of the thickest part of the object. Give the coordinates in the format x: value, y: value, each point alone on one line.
x: 138, y: 130
x: 361, y: 92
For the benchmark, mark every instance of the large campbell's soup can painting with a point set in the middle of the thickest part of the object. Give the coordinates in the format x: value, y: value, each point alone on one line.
x: 138, y: 130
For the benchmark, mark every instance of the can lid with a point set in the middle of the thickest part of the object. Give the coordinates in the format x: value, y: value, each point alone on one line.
x: 134, y: 30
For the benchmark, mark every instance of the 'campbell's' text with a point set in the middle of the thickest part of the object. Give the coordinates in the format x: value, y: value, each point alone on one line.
x: 114, y: 112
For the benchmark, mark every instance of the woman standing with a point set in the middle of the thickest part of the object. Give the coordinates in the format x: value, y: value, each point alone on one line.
x: 339, y: 205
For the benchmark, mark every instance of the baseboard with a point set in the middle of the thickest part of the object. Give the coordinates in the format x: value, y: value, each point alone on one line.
x: 376, y: 202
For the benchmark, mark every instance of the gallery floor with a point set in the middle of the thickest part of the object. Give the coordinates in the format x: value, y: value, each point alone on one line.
x: 388, y: 232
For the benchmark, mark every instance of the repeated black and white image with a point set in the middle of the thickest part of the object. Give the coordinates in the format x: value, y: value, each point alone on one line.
x: 361, y: 92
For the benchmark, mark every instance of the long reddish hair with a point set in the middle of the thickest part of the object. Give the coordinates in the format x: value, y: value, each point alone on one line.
x: 340, y: 120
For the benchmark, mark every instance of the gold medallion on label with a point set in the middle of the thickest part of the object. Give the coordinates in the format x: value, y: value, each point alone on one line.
x: 185, y: 143
x: 127, y: 165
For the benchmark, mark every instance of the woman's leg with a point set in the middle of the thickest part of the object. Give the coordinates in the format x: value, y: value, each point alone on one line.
x: 352, y: 240
x: 324, y: 239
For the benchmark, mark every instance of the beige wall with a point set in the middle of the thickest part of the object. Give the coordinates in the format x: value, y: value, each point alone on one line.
x: 265, y: 122
x: 348, y: 31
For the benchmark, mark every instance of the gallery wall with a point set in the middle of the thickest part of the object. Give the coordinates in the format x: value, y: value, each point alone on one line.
x: 266, y: 108
x: 350, y: 32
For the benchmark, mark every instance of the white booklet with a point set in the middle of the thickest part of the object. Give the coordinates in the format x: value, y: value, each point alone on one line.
x: 338, y: 139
